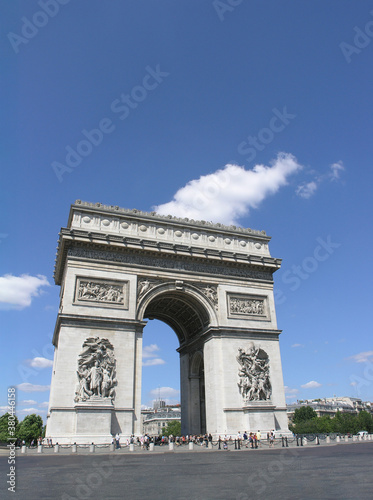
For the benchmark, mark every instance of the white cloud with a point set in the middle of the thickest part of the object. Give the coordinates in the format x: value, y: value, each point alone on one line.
x: 362, y: 357
x: 149, y: 351
x: 27, y: 402
x: 16, y: 292
x: 165, y: 393
x: 297, y: 345
x: 44, y: 404
x: 336, y: 169
x: 29, y: 410
x: 40, y: 362
x: 154, y: 362
x: 311, y: 385
x: 306, y: 190
x: 27, y: 387
x: 231, y: 192
x: 290, y: 393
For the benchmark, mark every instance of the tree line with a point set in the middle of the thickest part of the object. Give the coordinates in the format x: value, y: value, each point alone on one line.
x: 306, y: 421
x: 28, y: 430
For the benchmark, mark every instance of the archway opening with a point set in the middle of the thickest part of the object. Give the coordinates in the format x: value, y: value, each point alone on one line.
x: 188, y: 318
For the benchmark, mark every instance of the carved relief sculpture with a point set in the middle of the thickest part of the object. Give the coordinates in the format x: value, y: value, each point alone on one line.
x: 246, y: 306
x: 96, y: 370
x: 100, y: 292
x: 254, y: 382
x: 145, y: 285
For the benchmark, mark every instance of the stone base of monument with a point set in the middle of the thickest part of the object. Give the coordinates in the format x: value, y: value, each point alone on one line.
x: 93, y: 420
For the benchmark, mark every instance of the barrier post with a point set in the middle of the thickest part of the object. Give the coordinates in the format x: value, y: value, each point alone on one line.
x: 92, y: 448
x: 74, y: 448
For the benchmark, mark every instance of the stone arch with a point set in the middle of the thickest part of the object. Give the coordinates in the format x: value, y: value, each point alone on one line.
x: 181, y: 306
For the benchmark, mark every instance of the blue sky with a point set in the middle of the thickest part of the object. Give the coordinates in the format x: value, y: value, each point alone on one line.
x: 269, y: 102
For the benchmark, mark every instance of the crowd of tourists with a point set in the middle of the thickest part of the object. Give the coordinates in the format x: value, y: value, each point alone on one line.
x: 246, y: 440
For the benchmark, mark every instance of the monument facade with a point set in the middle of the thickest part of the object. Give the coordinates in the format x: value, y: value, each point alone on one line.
x: 213, y: 284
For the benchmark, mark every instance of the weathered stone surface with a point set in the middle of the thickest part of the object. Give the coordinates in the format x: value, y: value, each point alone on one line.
x: 211, y: 283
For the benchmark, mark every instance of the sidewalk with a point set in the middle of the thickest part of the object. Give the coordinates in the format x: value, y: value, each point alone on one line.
x: 173, y: 448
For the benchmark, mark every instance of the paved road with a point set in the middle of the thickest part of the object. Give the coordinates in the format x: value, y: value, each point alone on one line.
x: 333, y: 472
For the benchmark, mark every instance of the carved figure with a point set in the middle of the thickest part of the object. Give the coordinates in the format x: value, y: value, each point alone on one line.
x: 101, y: 292
x: 246, y: 306
x: 96, y: 370
x: 254, y: 382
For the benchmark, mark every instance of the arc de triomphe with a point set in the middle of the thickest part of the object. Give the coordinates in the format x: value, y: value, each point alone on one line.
x: 211, y: 283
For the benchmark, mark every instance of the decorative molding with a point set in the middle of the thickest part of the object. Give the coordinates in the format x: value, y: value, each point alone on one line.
x: 102, y: 292
x: 115, y: 210
x: 248, y: 306
x: 173, y: 263
x: 254, y: 381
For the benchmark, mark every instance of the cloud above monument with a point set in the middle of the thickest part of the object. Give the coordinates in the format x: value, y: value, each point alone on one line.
x: 231, y: 192
x: 16, y: 292
x: 311, y: 385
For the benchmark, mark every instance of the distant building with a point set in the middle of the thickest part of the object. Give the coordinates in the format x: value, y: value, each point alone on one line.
x: 154, y: 422
x: 330, y: 406
x: 159, y: 403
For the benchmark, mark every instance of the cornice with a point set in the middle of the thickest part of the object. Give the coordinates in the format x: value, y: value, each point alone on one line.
x: 154, y: 216
x: 71, y: 238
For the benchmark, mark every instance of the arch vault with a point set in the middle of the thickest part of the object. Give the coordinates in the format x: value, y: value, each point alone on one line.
x: 212, y: 284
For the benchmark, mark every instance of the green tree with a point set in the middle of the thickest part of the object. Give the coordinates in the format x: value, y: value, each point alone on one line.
x: 365, y: 421
x: 303, y: 414
x: 31, y: 428
x: 4, y: 428
x: 173, y: 427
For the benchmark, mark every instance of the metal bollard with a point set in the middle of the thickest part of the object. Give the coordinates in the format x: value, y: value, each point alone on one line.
x: 286, y: 441
x: 219, y: 447
x: 92, y: 448
x: 235, y: 444
x: 74, y: 448
x: 283, y: 441
x: 40, y: 448
x: 56, y: 448
x: 190, y: 445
